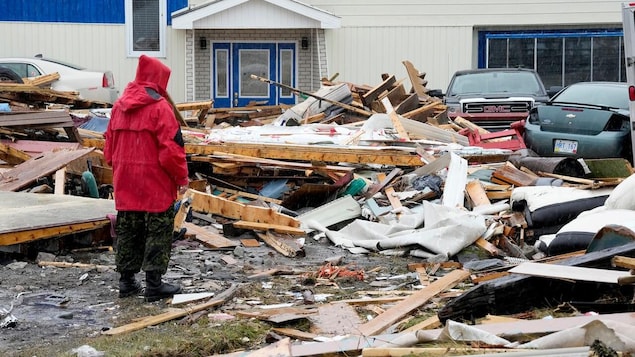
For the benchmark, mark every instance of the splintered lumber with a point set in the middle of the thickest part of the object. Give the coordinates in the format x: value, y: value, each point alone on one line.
x: 43, y: 80
x: 206, y: 203
x: 394, y: 118
x: 374, y: 93
x: 208, y: 238
x: 296, y: 90
x: 417, y: 81
x: 404, y: 307
x: 477, y: 194
x: 12, y: 156
x: 510, y: 175
x: 283, y: 245
x: 173, y: 313
x: 469, y: 125
x: 74, y: 265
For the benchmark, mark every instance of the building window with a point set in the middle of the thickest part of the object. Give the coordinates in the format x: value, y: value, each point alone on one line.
x: 560, y: 57
x: 146, y: 23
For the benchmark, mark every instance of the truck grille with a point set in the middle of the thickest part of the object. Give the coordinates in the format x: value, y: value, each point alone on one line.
x: 496, y: 107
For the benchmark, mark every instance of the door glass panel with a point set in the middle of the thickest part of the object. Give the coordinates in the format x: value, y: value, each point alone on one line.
x: 253, y: 62
x: 286, y: 71
x: 606, y: 59
x: 577, y: 59
x: 549, y: 66
x: 521, y: 53
x: 222, y: 81
x: 497, y: 53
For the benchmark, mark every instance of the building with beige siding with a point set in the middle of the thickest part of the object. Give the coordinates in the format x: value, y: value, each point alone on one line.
x: 213, y: 47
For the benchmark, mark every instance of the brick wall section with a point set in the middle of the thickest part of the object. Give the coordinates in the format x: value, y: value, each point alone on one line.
x: 311, y: 63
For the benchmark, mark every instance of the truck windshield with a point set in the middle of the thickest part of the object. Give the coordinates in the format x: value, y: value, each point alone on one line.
x: 495, y: 82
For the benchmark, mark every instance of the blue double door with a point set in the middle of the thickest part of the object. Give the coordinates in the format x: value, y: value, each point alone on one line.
x: 233, y: 65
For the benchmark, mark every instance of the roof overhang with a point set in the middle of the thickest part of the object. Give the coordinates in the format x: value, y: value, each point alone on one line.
x: 253, y: 14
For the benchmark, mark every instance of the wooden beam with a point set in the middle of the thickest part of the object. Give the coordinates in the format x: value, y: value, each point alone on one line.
x: 256, y: 226
x: 60, y: 181
x: 371, y: 155
x: 208, y: 238
x: 206, y: 203
x: 394, y: 118
x: 10, y: 238
x: 13, y: 156
x: 404, y: 307
x: 172, y: 314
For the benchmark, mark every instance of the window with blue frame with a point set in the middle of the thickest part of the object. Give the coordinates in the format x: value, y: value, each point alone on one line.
x: 560, y: 57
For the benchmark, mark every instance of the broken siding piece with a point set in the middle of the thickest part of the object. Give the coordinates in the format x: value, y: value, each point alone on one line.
x: 569, y: 272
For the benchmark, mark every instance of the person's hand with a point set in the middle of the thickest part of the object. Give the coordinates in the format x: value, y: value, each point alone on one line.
x: 182, y: 189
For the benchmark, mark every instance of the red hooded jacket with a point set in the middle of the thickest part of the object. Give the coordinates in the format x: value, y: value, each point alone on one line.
x: 143, y: 143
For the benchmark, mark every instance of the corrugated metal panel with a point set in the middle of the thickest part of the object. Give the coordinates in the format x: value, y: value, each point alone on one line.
x: 360, y: 55
x: 256, y: 15
x: 471, y: 12
x: 73, y: 11
x: 91, y: 46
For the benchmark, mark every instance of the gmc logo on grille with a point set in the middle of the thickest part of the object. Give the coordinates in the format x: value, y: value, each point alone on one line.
x: 496, y: 108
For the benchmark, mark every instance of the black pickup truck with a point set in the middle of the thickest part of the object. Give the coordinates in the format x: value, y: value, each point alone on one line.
x: 493, y: 98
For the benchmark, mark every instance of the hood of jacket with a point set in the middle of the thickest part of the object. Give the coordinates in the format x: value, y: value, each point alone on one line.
x: 149, y: 85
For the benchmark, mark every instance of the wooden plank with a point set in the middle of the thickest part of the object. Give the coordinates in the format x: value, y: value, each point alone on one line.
x: 569, y: 272
x: 38, y: 166
x: 477, y: 193
x: 368, y: 97
x: 623, y: 262
x: 60, y: 181
x: 256, y: 226
x: 293, y: 333
x: 394, y: 118
x: 397, y: 156
x: 404, y: 307
x: 44, y: 80
x: 172, y: 314
x: 509, y: 174
x: 208, y: 238
x: 429, y: 323
x: 408, y: 104
x: 19, y: 237
x: 75, y: 265
x: 434, y: 351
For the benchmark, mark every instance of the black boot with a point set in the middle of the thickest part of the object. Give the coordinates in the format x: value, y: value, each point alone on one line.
x: 128, y: 286
x: 157, y: 289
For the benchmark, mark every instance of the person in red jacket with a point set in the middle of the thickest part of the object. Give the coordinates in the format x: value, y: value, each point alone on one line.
x: 144, y: 146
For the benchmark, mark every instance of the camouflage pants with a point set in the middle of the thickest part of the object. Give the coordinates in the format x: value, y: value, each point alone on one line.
x: 144, y: 240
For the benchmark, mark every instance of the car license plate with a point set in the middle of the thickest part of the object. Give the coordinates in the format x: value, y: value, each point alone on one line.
x: 565, y: 146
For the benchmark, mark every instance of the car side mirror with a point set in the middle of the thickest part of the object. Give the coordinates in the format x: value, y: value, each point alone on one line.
x: 553, y: 90
x: 436, y: 93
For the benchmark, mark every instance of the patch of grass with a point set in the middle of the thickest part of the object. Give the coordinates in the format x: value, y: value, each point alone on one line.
x: 203, y: 338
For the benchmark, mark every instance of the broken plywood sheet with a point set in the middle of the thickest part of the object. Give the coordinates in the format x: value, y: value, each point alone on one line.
x: 38, y: 166
x: 335, y: 319
x: 29, y: 216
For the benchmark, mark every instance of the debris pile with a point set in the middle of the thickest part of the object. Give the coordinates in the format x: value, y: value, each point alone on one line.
x: 378, y: 171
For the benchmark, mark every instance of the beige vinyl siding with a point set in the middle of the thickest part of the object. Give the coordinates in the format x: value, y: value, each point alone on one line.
x: 361, y: 54
x: 439, y: 37
x: 93, y: 46
x: 469, y: 12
